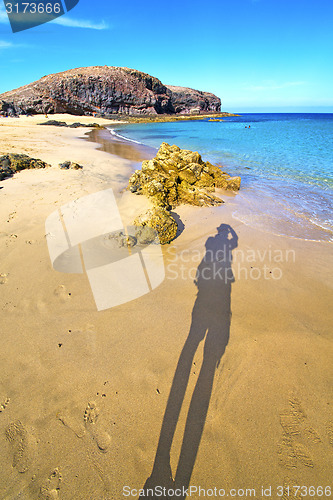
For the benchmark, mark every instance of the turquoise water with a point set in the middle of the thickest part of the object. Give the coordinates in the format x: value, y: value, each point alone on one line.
x: 285, y: 161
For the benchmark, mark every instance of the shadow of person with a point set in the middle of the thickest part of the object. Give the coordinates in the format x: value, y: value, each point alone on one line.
x: 211, y: 318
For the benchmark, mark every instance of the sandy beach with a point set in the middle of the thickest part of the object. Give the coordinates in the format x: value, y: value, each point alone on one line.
x: 91, y: 400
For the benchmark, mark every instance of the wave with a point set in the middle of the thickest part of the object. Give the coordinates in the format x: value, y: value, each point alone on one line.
x: 282, y: 228
x: 122, y: 137
x: 283, y: 215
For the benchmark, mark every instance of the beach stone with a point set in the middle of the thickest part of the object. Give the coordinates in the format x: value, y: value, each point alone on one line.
x: 55, y: 123
x: 122, y: 240
x: 93, y: 125
x: 87, y: 125
x: 70, y: 165
x: 179, y: 176
x: 146, y: 235
x: 12, y: 162
x: 159, y: 219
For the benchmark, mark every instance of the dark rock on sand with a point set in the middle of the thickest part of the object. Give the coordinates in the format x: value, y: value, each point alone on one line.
x: 105, y: 90
x: 11, y: 163
x: 57, y: 123
x: 70, y: 164
x: 87, y: 125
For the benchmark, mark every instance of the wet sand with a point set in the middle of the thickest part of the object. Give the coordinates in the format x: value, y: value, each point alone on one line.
x: 115, y: 146
x: 227, y: 386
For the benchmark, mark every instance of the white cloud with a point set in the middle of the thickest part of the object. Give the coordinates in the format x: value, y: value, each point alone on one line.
x: 272, y: 86
x: 3, y: 15
x: 5, y: 45
x: 80, y: 23
x: 9, y: 45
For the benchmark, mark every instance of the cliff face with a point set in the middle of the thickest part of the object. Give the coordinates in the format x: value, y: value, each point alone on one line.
x: 185, y: 100
x: 105, y: 90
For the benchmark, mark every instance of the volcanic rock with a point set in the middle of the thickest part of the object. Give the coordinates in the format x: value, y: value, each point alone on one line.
x: 189, y: 101
x: 11, y: 163
x: 57, y: 123
x: 70, y: 164
x: 104, y: 90
x: 159, y: 219
x: 176, y: 176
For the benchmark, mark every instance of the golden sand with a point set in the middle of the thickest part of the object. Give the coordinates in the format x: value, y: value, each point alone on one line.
x: 84, y: 393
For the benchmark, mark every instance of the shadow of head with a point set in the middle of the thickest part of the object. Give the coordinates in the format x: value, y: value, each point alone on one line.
x: 225, y: 232
x: 215, y: 267
x: 223, y: 229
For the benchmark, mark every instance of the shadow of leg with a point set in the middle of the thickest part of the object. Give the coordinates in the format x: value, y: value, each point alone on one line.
x: 162, y: 474
x: 195, y: 422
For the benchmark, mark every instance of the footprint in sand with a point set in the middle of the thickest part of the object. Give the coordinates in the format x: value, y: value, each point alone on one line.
x: 90, y: 418
x: 290, y: 451
x: 11, y: 216
x: 69, y: 421
x: 10, y: 239
x: 62, y: 293
x: 4, y: 405
x: 50, y: 489
x: 22, y: 444
x: 3, y: 278
x: 9, y: 307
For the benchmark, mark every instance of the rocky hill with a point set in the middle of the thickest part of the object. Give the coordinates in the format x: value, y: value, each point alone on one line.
x: 186, y: 100
x: 105, y: 90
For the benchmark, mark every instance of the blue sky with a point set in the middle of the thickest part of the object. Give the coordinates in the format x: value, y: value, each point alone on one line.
x: 257, y: 55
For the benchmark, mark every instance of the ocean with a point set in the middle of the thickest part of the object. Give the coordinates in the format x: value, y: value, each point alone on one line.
x: 285, y: 162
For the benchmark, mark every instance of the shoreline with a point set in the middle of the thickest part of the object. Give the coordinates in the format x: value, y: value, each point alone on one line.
x: 60, y: 356
x: 273, y: 224
x: 121, y: 148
